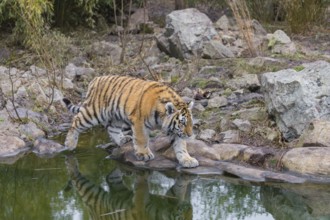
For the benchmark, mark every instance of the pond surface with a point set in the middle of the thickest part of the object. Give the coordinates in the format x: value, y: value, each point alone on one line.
x: 85, y: 185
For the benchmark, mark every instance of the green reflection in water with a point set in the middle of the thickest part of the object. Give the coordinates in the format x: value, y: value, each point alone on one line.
x: 84, y: 185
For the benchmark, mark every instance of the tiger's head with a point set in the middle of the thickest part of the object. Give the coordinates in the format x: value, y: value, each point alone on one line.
x: 178, y: 121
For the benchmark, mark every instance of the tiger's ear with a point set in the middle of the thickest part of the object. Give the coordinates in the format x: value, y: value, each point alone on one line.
x: 170, y: 108
x: 190, y: 105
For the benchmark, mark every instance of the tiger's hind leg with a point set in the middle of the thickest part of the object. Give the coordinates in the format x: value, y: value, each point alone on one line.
x: 181, y: 153
x: 120, y: 134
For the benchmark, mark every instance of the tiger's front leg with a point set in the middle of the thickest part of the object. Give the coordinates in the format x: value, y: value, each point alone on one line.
x: 181, y: 153
x: 71, y: 139
x: 72, y: 136
x: 79, y: 124
x: 141, y: 142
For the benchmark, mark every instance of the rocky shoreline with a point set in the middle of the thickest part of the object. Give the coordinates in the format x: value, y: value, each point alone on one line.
x: 262, y: 119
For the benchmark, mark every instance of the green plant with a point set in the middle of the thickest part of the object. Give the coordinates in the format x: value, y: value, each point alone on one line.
x: 298, y: 68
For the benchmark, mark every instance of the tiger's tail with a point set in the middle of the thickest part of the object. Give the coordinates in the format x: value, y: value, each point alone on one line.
x: 71, y: 107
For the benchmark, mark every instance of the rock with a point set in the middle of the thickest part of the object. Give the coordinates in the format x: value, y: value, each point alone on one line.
x: 37, y: 71
x: 223, y: 23
x: 31, y: 131
x: 45, y: 147
x: 216, y: 102
x: 24, y: 113
x: 67, y: 84
x: 280, y: 43
x: 316, y: 134
x: 7, y: 126
x: 44, y: 94
x: 204, y: 170
x: 242, y: 125
x: 216, y: 71
x: 308, y: 160
x: 206, y: 135
x: 104, y: 48
x: 11, y: 146
x: 252, y: 114
x: 281, y: 37
x: 72, y: 71
x: 271, y: 134
x: 214, y: 49
x: 245, y: 173
x: 140, y: 16
x: 238, y: 98
x: 227, y: 39
x: 187, y: 92
x: 264, y: 61
x: 258, y: 175
x: 296, y: 98
x: 151, y: 60
x: 230, y: 136
x: 257, y: 155
x: 246, y: 81
x: 199, y: 107
x: 258, y: 29
x: 7, y: 87
x: 186, y: 32
x: 229, y: 151
x: 287, y: 49
x: 21, y: 93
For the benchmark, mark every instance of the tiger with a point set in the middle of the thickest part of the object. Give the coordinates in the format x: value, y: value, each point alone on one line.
x: 129, y: 108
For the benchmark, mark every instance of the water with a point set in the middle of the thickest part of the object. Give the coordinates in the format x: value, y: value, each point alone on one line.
x: 85, y: 185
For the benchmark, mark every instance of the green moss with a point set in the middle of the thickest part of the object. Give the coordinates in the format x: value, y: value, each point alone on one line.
x: 175, y: 79
x: 200, y: 83
x: 298, y: 68
x: 271, y: 43
x: 227, y: 92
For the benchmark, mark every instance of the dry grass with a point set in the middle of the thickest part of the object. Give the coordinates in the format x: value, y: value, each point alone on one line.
x: 242, y: 16
x: 302, y: 15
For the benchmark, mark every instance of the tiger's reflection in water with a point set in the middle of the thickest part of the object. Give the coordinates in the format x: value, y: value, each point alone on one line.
x: 125, y: 200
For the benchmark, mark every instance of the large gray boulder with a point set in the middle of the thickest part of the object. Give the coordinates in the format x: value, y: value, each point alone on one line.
x: 295, y: 98
x: 186, y: 32
x: 308, y: 160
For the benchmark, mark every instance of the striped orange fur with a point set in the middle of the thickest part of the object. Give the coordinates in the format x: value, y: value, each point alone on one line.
x: 127, y: 105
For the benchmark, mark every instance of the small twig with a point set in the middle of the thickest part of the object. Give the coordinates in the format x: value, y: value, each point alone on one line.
x: 154, y: 76
x: 111, y: 213
x: 45, y: 169
x: 278, y: 164
x: 13, y: 95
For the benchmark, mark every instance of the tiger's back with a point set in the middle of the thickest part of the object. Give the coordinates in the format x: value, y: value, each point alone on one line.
x: 128, y: 99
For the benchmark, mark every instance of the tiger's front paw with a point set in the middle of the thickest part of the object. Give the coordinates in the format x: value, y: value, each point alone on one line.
x: 71, y: 142
x: 145, y: 156
x: 71, y: 139
x: 189, y: 162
